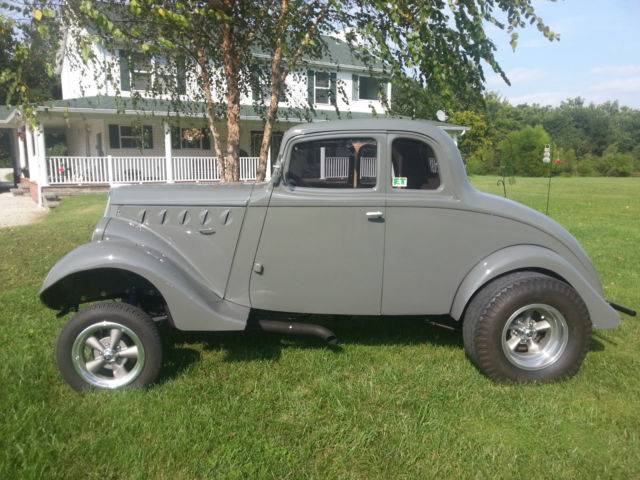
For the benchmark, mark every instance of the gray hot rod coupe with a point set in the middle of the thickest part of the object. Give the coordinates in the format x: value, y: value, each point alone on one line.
x: 366, y: 217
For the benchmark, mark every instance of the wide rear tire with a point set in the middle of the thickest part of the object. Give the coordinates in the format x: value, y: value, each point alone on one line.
x: 527, y: 327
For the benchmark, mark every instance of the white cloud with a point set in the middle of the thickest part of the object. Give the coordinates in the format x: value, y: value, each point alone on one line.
x: 617, y: 86
x: 517, y: 76
x: 617, y: 70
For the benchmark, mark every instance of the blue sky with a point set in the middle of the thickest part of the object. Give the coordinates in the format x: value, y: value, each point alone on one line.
x: 597, y: 57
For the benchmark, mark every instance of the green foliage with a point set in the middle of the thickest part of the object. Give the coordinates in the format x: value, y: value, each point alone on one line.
x: 29, y: 40
x: 588, y: 139
x: 521, y: 151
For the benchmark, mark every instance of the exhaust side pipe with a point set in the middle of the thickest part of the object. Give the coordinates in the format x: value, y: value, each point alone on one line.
x: 294, y: 328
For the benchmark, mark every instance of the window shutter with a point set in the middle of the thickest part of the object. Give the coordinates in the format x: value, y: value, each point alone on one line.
x: 355, y: 87
x: 114, y: 136
x: 310, y: 87
x: 206, y: 142
x: 175, y: 138
x: 125, y: 72
x: 181, y: 76
x: 147, y: 136
x: 332, y: 84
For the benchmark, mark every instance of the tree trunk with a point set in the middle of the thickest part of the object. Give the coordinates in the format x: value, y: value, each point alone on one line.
x: 205, y: 78
x: 231, y: 70
x: 278, y: 73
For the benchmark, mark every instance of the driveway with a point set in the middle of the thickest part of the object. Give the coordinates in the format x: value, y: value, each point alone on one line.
x: 18, y: 210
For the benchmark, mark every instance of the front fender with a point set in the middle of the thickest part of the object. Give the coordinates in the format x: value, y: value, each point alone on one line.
x: 533, y: 257
x: 94, y: 266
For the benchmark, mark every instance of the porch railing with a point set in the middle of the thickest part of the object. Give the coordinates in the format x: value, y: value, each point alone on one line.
x: 116, y: 170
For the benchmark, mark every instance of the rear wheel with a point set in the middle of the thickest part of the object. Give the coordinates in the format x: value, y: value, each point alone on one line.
x: 527, y: 327
x: 109, y: 346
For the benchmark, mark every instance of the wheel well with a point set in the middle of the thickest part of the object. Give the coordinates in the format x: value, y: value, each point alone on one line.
x: 542, y: 271
x: 101, y: 284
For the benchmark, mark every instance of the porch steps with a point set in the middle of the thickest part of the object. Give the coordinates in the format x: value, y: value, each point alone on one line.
x: 21, y: 189
x: 51, y: 200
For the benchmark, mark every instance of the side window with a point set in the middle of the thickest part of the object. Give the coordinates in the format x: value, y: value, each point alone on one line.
x: 414, y: 165
x: 334, y: 163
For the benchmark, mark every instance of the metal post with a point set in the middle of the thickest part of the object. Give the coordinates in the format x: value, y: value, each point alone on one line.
x: 168, y: 152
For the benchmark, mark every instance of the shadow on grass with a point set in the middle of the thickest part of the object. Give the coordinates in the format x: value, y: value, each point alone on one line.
x: 255, y: 345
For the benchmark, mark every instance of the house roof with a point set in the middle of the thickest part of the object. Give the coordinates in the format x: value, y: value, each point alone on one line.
x: 339, y: 54
x: 7, y: 113
x: 146, y: 106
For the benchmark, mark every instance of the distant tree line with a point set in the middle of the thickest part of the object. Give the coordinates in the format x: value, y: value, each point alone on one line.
x: 585, y: 139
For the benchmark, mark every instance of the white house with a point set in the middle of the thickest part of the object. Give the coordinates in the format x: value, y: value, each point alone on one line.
x: 108, y: 130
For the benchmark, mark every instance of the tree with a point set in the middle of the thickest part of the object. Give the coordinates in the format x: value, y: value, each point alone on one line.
x: 226, y: 45
x: 523, y: 150
x: 28, y: 45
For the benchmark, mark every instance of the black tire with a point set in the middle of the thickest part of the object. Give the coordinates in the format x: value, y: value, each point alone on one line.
x: 488, y: 312
x: 123, y: 314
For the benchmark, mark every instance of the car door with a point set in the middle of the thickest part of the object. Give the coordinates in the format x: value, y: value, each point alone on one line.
x: 421, y: 224
x: 322, y: 243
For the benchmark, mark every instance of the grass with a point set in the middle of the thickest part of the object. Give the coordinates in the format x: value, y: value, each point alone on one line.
x: 397, y: 400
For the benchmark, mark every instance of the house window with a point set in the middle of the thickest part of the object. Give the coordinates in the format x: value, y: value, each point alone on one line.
x: 128, y: 136
x: 322, y: 88
x: 334, y: 163
x: 190, y: 138
x: 368, y: 88
x: 141, y: 70
x: 414, y: 165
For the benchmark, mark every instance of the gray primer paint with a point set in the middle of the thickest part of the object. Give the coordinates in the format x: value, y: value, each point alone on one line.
x: 315, y: 250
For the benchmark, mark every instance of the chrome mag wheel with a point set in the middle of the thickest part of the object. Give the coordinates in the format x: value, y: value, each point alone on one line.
x: 535, y: 337
x: 108, y: 355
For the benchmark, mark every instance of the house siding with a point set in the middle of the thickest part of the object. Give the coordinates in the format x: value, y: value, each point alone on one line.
x: 102, y: 77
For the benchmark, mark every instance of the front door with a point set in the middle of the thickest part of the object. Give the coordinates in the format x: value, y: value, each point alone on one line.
x: 322, y: 244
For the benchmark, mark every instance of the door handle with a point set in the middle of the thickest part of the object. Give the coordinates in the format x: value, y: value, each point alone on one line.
x: 207, y: 231
x: 374, y: 215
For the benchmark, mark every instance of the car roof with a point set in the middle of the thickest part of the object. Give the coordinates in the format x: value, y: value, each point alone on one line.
x: 434, y: 129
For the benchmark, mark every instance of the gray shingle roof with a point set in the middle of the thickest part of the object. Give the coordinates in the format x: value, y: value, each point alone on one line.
x: 107, y: 104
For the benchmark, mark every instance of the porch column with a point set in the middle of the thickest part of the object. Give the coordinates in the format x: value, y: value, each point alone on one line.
x: 267, y: 174
x: 31, y: 152
x: 323, y: 172
x: 21, y: 153
x: 42, y: 155
x: 168, y: 153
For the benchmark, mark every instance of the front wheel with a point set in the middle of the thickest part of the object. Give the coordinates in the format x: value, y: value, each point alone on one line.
x: 527, y: 327
x: 109, y: 346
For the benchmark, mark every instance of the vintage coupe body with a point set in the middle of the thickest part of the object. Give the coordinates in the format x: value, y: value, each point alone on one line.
x: 373, y: 217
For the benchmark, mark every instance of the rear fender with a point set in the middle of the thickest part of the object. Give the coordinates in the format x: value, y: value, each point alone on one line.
x: 99, y: 269
x: 533, y: 257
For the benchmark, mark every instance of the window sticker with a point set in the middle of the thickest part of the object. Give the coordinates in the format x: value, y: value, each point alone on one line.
x: 399, y: 181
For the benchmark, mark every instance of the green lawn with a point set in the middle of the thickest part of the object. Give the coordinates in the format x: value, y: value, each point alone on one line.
x: 397, y: 400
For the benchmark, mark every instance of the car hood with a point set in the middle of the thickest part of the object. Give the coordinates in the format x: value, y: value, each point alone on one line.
x: 228, y: 194
x: 495, y: 205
